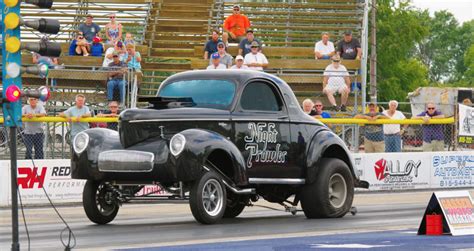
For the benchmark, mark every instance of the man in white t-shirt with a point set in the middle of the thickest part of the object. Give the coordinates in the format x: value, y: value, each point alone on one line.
x: 392, y: 132
x: 336, y: 79
x: 239, y: 64
x: 324, y: 49
x: 108, y: 58
x: 216, y: 63
x: 255, y: 60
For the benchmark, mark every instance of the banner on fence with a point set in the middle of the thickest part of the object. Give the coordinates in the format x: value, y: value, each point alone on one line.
x: 394, y: 171
x: 466, y: 125
x: 384, y: 172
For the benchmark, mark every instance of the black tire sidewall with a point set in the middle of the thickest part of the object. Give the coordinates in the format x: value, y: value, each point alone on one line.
x: 238, y: 205
x: 195, y: 199
x: 315, y: 196
x: 90, y: 205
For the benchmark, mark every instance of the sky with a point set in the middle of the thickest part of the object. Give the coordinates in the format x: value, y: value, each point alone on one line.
x: 463, y: 10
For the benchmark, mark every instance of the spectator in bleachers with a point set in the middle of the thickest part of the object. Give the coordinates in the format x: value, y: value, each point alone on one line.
x: 225, y: 58
x: 239, y: 64
x: 113, y: 30
x: 97, y: 48
x: 255, y: 60
x: 392, y: 132
x: 79, y: 46
x: 235, y: 26
x: 108, y: 58
x: 113, y: 112
x: 373, y: 137
x: 116, y: 81
x: 324, y: 49
x: 308, y: 107
x: 244, y: 46
x: 33, y: 131
x: 349, y: 47
x: 89, y: 29
x: 211, y: 45
x: 75, y: 113
x: 133, y: 58
x: 433, y: 135
x: 336, y: 79
x: 216, y: 63
x: 49, y: 61
x: 128, y: 39
x: 320, y: 114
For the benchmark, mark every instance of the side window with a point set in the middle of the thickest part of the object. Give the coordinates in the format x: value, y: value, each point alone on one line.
x: 260, y: 96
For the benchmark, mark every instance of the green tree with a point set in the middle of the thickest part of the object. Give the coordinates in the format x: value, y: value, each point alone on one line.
x: 469, y: 65
x: 399, y: 29
x: 438, y: 50
x: 465, y: 41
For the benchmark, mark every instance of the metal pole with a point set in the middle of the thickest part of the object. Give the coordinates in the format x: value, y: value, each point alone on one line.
x: 14, y: 187
x: 373, y: 54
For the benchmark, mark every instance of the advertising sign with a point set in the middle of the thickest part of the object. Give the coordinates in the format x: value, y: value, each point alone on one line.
x: 466, y: 125
x: 394, y: 171
x: 452, y: 169
x: 52, y: 176
x: 458, y: 210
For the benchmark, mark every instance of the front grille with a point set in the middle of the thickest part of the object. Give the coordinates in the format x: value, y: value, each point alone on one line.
x: 125, y: 161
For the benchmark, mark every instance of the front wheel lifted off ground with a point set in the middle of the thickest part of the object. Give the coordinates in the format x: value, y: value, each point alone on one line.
x: 100, y: 203
x: 332, y: 192
x: 207, y: 198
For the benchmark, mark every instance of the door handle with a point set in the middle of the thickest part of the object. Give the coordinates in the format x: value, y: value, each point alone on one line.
x: 283, y: 117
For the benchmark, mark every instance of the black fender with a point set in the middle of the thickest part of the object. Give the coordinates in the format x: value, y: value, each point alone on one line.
x: 198, y: 147
x: 100, y: 139
x: 325, y: 143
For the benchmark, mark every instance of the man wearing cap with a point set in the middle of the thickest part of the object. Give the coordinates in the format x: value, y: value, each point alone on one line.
x: 225, y: 58
x: 235, y: 26
x: 349, y: 47
x: 89, y: 29
x: 216, y: 63
x: 373, y: 136
x: 324, y: 49
x: 118, y: 47
x: 211, y: 45
x: 244, y: 46
x: 239, y: 64
x: 116, y: 80
x: 34, y: 135
x: 255, y: 60
x: 336, y: 79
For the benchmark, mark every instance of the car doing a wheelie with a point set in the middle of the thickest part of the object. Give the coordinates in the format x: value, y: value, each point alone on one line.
x: 221, y: 139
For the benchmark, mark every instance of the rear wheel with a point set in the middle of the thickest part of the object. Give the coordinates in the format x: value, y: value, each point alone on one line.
x: 207, y: 198
x: 100, y: 203
x: 331, y: 194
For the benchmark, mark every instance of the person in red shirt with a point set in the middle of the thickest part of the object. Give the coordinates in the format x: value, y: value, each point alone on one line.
x: 235, y: 26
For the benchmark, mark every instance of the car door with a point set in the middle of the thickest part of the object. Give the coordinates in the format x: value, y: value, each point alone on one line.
x: 261, y: 132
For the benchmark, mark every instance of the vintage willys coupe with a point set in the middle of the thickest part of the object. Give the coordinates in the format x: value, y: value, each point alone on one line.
x: 220, y: 139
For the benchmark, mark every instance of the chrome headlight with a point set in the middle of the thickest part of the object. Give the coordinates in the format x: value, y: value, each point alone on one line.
x: 177, y: 143
x: 80, y: 142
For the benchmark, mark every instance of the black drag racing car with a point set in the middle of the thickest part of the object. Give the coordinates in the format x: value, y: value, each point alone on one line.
x: 220, y: 139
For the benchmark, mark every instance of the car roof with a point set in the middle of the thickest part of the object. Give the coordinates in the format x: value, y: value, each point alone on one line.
x: 239, y: 76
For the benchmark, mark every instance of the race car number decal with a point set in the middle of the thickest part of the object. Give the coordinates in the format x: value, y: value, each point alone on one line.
x: 263, y: 134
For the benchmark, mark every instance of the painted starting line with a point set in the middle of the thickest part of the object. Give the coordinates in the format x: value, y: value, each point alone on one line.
x: 385, y: 240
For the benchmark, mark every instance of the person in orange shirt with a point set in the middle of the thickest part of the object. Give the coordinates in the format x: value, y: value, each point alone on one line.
x: 235, y: 26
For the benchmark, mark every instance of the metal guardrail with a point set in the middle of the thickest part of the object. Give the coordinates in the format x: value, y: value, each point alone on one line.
x: 56, y: 137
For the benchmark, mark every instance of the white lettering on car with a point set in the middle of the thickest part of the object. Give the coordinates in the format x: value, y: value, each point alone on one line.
x: 264, y: 134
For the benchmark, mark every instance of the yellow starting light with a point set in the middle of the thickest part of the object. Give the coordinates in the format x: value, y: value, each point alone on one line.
x: 12, y: 44
x: 12, y: 21
x: 10, y: 3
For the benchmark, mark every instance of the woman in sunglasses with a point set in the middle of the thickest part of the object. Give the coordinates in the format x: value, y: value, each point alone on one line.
x: 79, y: 46
x: 113, y: 30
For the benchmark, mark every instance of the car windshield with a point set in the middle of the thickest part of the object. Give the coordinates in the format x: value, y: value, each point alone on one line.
x: 204, y: 92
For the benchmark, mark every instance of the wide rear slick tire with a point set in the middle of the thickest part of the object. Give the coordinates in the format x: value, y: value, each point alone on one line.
x: 99, y: 203
x: 331, y: 194
x: 207, y: 198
